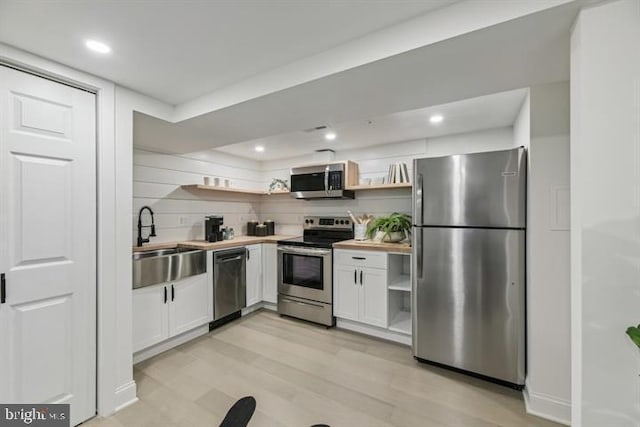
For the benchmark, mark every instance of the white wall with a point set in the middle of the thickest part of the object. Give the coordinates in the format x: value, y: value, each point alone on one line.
x: 121, y: 352
x: 605, y: 235
x: 545, y: 116
x: 373, y: 161
x: 179, y: 213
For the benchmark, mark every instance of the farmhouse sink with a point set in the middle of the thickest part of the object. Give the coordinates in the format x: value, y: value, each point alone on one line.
x: 167, y: 265
x: 159, y: 252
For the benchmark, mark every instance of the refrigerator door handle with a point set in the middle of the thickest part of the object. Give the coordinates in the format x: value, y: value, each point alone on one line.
x: 416, y: 267
x: 418, y: 214
x: 418, y: 254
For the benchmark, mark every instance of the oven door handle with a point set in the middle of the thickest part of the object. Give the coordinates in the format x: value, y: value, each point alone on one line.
x: 304, y: 251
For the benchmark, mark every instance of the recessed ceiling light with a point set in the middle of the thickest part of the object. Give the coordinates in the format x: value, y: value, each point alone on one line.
x: 436, y: 118
x: 97, y: 46
x: 259, y: 148
x: 330, y: 136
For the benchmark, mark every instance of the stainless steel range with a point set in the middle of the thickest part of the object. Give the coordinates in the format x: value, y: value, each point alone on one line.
x: 305, y: 269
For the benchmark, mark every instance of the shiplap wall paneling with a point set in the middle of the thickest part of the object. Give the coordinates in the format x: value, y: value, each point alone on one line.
x: 179, y: 213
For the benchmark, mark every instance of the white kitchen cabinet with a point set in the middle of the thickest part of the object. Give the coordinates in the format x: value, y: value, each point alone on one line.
x: 254, y: 274
x: 373, y: 297
x: 190, y: 305
x: 150, y: 316
x: 169, y: 309
x: 270, y: 273
x: 360, y: 258
x: 399, y: 280
x: 346, y: 292
x: 360, y: 291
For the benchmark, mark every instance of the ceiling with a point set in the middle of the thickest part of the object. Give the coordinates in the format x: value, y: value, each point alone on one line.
x: 508, y: 56
x: 177, y: 50
x: 485, y: 112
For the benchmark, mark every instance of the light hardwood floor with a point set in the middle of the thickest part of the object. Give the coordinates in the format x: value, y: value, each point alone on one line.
x: 302, y: 374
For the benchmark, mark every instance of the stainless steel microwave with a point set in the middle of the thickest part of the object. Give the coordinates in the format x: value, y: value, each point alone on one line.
x: 320, y: 182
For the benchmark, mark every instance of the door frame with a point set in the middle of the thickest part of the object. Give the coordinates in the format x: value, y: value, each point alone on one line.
x: 110, y: 395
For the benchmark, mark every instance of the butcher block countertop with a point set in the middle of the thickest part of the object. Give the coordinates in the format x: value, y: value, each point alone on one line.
x: 370, y: 245
x: 203, y: 244
x: 365, y: 245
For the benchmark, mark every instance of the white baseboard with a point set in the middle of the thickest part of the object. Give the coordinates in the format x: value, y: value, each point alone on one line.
x: 270, y: 306
x: 548, y: 407
x: 258, y: 306
x: 255, y: 307
x: 373, y: 331
x: 126, y: 395
x: 170, y: 343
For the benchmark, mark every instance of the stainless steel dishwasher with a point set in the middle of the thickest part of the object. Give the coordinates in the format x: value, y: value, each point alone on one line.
x: 229, y: 282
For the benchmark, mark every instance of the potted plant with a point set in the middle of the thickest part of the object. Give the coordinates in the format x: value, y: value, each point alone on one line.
x: 392, y: 228
x: 634, y: 334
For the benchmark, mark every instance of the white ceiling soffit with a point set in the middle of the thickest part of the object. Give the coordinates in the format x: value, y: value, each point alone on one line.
x: 177, y: 50
x: 485, y: 112
x: 520, y: 53
x: 461, y: 17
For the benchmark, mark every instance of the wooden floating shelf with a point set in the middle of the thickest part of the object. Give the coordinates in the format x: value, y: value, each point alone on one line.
x: 230, y: 190
x: 379, y: 186
x: 266, y: 193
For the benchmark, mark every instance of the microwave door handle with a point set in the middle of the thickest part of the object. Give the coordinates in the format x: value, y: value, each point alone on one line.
x: 326, y: 179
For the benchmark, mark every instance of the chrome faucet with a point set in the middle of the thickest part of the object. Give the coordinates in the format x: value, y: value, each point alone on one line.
x: 140, y: 226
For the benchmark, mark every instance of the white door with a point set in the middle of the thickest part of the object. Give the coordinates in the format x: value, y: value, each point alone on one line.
x: 150, y: 316
x: 345, y: 292
x: 373, y: 296
x: 47, y: 244
x: 254, y: 275
x: 270, y: 273
x: 190, y: 305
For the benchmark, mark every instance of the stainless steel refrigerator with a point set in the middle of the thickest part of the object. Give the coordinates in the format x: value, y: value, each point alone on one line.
x: 468, y: 263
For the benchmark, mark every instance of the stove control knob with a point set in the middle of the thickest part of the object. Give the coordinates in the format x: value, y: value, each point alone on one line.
x: 347, y: 222
x: 311, y: 221
x: 306, y: 221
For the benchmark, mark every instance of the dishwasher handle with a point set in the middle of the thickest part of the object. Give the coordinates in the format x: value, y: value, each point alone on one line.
x: 220, y: 257
x: 223, y: 260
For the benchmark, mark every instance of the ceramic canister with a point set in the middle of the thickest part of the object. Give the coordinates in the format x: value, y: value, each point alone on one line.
x: 261, y: 230
x: 271, y: 227
x: 251, y: 228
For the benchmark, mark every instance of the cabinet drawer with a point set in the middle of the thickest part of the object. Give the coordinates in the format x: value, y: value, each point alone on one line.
x: 360, y: 258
